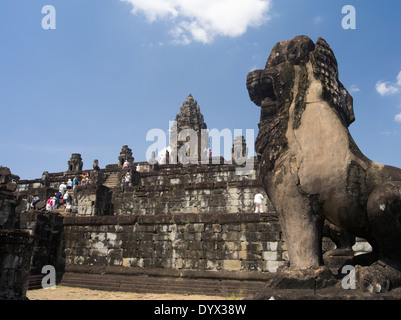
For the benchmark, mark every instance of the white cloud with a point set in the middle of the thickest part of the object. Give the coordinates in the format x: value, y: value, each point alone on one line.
x: 153, y: 9
x: 318, y: 20
x: 203, y: 20
x: 354, y: 88
x: 386, y: 88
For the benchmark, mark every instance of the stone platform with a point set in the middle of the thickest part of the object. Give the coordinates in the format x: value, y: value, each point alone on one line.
x: 159, y: 281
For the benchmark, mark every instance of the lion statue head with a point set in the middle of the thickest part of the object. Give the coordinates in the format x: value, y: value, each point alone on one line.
x: 275, y: 88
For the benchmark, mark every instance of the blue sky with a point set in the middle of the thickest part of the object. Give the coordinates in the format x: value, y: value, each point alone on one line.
x: 112, y: 70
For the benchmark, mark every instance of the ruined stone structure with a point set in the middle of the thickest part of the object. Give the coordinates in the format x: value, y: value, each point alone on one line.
x: 125, y: 155
x: 75, y: 163
x: 190, y: 227
x: 185, y: 228
x: 310, y: 162
x: 189, y: 224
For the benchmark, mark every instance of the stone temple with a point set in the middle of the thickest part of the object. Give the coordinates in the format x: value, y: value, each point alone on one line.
x: 177, y: 228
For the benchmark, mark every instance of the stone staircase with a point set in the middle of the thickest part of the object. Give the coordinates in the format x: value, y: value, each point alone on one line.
x: 111, y: 181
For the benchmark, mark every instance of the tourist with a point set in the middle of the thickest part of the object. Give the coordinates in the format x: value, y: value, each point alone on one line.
x: 34, y: 202
x: 68, y: 204
x: 52, y: 204
x: 75, y: 183
x: 126, y: 164
x: 62, y: 188
x: 69, y: 184
x: 65, y: 197
x: 84, y: 178
x: 48, y: 203
x: 127, y: 179
x: 59, y: 196
x: 258, y: 200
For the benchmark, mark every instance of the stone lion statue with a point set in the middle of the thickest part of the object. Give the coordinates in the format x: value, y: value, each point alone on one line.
x: 312, y: 169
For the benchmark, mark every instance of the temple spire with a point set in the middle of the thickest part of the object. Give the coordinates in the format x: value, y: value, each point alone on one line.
x: 190, y: 117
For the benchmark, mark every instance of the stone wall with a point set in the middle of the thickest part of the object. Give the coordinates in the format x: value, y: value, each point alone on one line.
x: 46, y: 230
x: 176, y: 253
x: 15, y: 245
x: 15, y: 257
x: 207, y: 197
x: 164, y: 189
x: 92, y: 200
x: 198, y: 242
x: 209, y: 253
x: 231, y: 253
x: 197, y: 189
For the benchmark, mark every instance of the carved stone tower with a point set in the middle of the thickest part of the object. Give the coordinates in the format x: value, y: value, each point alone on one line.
x: 189, y: 139
x: 75, y: 164
x: 239, y: 149
x: 125, y: 155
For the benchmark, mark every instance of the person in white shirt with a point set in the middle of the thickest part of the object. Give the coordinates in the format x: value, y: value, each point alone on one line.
x: 65, y: 197
x: 62, y: 188
x: 258, y: 200
x: 127, y: 179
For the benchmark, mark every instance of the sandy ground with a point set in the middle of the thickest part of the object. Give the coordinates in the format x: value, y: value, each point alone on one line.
x: 70, y: 293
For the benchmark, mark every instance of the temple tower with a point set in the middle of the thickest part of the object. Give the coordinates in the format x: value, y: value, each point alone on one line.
x: 75, y: 164
x: 189, y: 139
x: 125, y: 155
x: 239, y: 150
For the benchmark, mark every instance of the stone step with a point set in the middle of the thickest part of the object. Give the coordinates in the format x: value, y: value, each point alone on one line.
x: 142, y: 284
x: 35, y: 282
x: 111, y: 181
